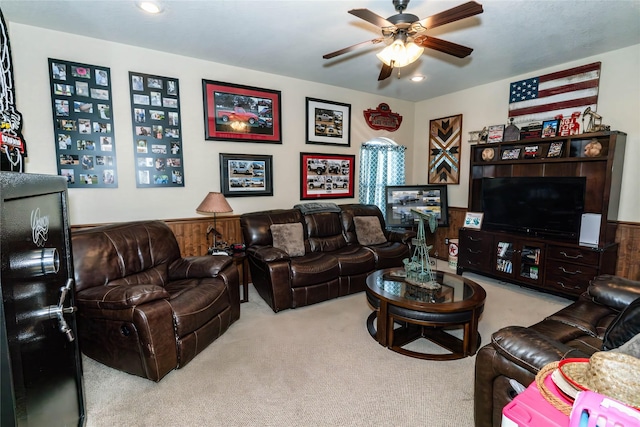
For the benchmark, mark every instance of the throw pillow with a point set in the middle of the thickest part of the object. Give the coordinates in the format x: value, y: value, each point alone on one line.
x: 289, y: 238
x: 368, y: 230
x: 624, y: 327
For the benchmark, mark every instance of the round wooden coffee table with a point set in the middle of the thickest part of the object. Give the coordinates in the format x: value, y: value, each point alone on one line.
x: 405, y: 313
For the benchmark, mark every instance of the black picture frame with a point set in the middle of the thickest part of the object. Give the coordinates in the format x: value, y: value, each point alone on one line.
x: 245, y: 175
x: 259, y: 120
x: 328, y: 122
x: 83, y: 124
x: 550, y: 128
x: 402, y: 198
x: 156, y: 130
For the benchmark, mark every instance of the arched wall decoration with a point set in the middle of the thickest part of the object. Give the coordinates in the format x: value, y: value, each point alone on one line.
x: 382, y: 118
x: 13, y: 148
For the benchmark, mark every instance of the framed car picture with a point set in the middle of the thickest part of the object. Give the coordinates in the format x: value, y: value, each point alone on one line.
x: 241, y: 113
x: 246, y: 175
x: 326, y: 176
x: 328, y: 122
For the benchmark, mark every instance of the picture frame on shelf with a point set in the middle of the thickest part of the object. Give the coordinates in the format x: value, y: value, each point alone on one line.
x: 473, y: 220
x: 531, y: 152
x: 511, y: 154
x: 550, y: 128
x: 243, y: 175
x: 555, y: 149
x: 496, y: 134
x: 326, y: 176
x: 241, y: 113
x: 328, y: 122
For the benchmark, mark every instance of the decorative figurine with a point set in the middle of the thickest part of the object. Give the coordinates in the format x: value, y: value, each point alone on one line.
x: 595, y: 122
x: 418, y: 268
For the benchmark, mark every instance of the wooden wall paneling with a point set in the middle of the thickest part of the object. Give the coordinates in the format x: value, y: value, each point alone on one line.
x: 628, y: 237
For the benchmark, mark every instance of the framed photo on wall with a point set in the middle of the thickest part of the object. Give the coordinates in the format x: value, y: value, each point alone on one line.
x: 326, y: 176
x: 328, y: 122
x: 246, y: 175
x: 241, y: 113
x: 156, y: 130
x: 83, y: 124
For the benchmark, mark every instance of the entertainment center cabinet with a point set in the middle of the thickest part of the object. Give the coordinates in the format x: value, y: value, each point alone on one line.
x: 550, y: 264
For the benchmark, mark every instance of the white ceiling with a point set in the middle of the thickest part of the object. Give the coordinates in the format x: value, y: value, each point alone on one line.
x: 288, y: 38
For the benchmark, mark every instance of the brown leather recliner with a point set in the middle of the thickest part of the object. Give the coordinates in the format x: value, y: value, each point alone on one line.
x: 578, y: 330
x: 144, y: 309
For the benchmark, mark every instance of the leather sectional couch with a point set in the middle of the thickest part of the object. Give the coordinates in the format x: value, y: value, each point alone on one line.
x: 303, y: 256
x: 603, y: 318
x: 144, y: 309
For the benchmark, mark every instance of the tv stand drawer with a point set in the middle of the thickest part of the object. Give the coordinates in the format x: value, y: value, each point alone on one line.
x: 573, y: 254
x: 569, y: 278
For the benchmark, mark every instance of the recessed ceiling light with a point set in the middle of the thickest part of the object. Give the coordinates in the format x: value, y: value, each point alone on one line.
x: 150, y: 6
x: 417, y: 78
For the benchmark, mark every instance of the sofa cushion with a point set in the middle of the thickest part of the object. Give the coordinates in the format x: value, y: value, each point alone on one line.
x: 368, y: 230
x: 289, y: 238
x: 624, y: 327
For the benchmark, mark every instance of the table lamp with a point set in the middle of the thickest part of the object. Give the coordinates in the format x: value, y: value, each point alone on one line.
x: 214, y: 203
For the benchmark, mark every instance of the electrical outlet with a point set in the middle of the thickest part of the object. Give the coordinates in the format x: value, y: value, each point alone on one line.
x: 446, y: 240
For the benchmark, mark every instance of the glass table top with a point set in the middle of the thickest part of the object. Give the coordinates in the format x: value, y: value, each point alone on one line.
x: 390, y: 283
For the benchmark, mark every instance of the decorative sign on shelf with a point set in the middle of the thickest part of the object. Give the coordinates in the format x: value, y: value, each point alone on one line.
x: 83, y: 124
x: 382, y: 118
x: 157, y: 135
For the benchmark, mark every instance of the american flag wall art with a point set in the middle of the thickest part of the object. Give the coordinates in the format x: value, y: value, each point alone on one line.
x: 550, y: 95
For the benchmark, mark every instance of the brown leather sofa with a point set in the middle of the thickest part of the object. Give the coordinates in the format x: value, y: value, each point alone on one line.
x: 330, y: 262
x: 602, y: 314
x: 144, y: 309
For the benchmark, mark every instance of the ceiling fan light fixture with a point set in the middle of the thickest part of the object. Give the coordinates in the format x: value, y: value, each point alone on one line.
x: 400, y: 53
x: 152, y: 7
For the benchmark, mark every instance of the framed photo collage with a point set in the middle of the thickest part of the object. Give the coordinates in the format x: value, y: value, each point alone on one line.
x: 155, y: 117
x: 83, y: 124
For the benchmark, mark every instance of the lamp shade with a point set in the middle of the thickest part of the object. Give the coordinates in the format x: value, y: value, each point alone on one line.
x: 400, y: 53
x: 214, y: 203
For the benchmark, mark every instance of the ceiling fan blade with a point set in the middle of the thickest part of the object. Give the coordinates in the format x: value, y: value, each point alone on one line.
x: 465, y: 10
x: 350, y: 48
x: 371, y: 17
x: 443, y: 46
x: 386, y: 71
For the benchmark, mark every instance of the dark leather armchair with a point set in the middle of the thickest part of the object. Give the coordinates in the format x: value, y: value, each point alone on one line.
x: 578, y: 330
x: 144, y: 309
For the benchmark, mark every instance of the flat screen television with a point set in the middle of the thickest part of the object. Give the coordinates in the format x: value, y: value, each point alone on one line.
x: 402, y: 198
x: 538, y: 206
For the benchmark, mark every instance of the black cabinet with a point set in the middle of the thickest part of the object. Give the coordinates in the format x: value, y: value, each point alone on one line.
x: 41, y: 370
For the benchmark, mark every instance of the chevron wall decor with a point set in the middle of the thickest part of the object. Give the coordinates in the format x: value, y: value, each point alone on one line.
x: 445, y: 137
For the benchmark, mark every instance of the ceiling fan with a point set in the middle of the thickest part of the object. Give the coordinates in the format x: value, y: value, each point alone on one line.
x: 405, y: 34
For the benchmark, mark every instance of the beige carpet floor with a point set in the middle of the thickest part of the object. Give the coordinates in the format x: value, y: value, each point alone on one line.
x: 312, y: 366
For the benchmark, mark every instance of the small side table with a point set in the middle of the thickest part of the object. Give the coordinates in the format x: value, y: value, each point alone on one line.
x: 242, y: 264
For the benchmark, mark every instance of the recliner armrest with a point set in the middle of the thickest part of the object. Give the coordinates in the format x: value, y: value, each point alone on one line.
x: 614, y: 291
x: 402, y: 237
x: 198, y: 266
x: 119, y: 297
x: 529, y: 348
x: 268, y: 253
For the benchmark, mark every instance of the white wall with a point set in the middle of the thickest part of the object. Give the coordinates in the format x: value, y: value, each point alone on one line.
x: 32, y: 46
x: 618, y: 103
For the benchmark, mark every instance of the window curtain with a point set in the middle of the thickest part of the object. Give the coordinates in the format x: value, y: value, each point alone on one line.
x: 380, y: 165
